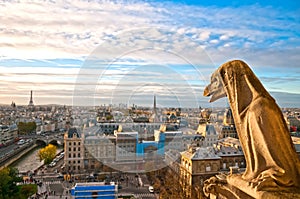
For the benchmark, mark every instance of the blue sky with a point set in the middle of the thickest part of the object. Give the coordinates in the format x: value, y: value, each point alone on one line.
x: 96, y: 52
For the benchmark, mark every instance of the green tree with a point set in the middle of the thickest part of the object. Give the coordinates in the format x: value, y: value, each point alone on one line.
x: 47, y: 154
x: 27, y: 190
x: 109, y: 117
x: 8, y: 179
x: 26, y: 127
x: 4, y: 182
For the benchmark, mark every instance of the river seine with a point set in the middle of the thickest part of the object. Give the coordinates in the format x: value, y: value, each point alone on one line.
x: 30, y: 161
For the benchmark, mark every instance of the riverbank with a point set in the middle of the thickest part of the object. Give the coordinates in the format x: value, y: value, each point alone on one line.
x: 29, y: 161
x: 17, y: 155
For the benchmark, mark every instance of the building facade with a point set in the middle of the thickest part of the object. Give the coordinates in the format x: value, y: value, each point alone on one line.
x: 74, y: 151
x: 99, y: 150
x: 170, y: 138
x: 197, y: 164
x: 231, y: 153
x: 227, y: 129
x: 126, y: 145
x: 8, y: 134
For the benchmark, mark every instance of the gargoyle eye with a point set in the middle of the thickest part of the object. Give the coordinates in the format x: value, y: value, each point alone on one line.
x: 216, y: 82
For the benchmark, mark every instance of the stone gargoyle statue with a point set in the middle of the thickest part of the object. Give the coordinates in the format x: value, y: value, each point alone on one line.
x: 271, y: 160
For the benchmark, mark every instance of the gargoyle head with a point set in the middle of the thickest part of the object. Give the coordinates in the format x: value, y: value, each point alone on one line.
x: 215, y: 89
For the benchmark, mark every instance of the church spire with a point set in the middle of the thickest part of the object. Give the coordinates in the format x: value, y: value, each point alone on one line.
x: 154, y: 104
x: 154, y: 117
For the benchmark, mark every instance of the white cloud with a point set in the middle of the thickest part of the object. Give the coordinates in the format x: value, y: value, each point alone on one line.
x: 214, y: 41
x: 181, y: 31
x: 224, y: 37
x: 139, y: 33
x: 71, y: 29
x: 204, y: 36
x: 74, y: 29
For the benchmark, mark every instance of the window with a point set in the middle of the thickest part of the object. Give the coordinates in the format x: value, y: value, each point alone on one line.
x: 74, y: 155
x: 69, y: 155
x: 69, y: 148
x: 78, y: 167
x: 208, y: 168
x: 78, y: 161
x: 79, y: 155
x: 79, y: 143
x: 224, y: 165
x: 74, y: 149
x: 74, y: 143
x: 78, y: 148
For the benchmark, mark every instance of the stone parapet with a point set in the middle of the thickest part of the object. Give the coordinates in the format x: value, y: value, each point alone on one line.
x: 234, y: 187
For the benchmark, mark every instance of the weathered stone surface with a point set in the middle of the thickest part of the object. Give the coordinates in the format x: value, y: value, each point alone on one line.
x: 274, y: 192
x: 273, y: 167
x: 234, y: 187
x: 217, y: 187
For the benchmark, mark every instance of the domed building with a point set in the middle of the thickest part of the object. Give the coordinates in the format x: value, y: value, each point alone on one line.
x: 210, y: 135
x: 228, y: 117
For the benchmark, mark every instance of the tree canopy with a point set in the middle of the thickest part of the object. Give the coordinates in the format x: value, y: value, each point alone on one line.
x: 47, y: 154
x: 26, y: 127
x: 8, y: 179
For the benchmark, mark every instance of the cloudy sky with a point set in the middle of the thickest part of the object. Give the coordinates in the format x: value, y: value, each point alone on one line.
x: 98, y: 52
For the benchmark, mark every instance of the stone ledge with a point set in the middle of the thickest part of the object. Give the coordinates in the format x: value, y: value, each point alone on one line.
x: 234, y: 187
x: 237, y: 182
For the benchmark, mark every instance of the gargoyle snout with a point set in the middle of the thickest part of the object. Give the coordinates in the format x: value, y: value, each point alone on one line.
x: 206, y: 91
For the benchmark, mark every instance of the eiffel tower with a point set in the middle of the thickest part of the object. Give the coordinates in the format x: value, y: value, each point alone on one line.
x: 30, y: 105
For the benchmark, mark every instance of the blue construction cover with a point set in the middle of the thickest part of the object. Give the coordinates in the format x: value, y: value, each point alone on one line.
x: 97, y: 187
x: 93, y: 191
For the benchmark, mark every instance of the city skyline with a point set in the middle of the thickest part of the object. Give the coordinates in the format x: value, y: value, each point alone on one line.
x: 92, y: 53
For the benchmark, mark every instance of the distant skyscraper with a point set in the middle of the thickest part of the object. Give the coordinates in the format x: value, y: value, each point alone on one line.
x: 30, y: 105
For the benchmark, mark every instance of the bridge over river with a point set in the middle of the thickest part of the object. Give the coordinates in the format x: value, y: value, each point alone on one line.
x: 14, y: 152
x: 51, y: 139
